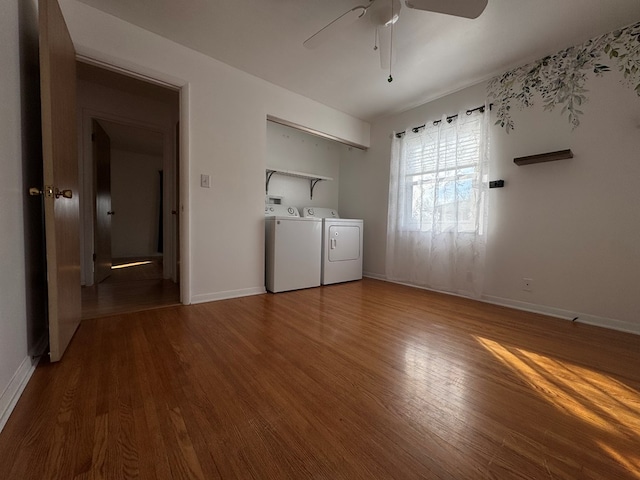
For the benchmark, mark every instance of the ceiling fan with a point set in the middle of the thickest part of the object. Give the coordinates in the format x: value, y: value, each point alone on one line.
x: 384, y: 13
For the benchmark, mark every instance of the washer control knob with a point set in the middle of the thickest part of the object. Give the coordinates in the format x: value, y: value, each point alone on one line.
x: 290, y: 210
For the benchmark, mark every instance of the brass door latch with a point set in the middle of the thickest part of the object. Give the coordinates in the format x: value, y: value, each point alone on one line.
x: 50, y: 192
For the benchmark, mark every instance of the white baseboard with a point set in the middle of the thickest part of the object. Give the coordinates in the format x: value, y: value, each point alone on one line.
x: 11, y: 394
x: 212, y: 297
x: 597, y: 321
x: 377, y: 276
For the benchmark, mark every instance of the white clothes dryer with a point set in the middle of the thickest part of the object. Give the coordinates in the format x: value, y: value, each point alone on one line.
x: 341, y: 245
x: 292, y: 249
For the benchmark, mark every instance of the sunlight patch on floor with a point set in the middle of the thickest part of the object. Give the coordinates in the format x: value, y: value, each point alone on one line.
x: 630, y: 463
x: 131, y: 264
x: 592, y: 397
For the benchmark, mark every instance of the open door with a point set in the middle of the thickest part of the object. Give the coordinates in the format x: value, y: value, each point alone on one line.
x: 60, y: 158
x: 176, y: 209
x: 102, y: 227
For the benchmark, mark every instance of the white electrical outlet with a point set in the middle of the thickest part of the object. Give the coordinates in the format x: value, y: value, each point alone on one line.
x: 527, y: 284
x: 205, y: 181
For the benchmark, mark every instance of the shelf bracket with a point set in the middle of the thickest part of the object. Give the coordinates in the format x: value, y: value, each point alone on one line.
x: 269, y: 175
x: 313, y: 179
x: 312, y: 184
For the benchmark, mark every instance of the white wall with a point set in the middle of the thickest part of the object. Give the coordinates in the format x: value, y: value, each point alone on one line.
x: 223, y: 126
x: 572, y: 225
x: 135, y: 197
x: 15, y: 363
x: 294, y: 150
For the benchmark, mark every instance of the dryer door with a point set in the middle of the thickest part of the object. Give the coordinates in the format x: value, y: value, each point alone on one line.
x: 344, y: 242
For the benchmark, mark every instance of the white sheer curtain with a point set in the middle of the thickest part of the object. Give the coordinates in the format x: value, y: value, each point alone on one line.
x: 436, y: 231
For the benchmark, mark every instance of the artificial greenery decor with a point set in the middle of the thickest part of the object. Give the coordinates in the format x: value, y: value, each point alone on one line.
x: 560, y: 79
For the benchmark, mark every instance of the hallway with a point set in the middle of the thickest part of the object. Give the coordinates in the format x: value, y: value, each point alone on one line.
x: 134, y: 285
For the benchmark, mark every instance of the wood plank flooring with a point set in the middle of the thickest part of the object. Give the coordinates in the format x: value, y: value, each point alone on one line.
x: 138, y: 286
x: 364, y: 380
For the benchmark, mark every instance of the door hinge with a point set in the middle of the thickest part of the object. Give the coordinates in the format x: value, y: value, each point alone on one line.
x: 93, y: 137
x: 94, y: 257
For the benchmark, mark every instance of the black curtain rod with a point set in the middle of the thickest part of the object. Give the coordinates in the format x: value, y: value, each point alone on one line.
x: 449, y: 119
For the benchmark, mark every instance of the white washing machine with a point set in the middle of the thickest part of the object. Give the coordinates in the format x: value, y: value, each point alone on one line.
x: 292, y: 249
x: 341, y: 245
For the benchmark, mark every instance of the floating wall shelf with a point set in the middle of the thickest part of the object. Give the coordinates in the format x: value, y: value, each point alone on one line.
x: 544, y: 157
x: 313, y: 179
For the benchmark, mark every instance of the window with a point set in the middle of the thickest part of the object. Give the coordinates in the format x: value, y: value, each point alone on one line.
x: 437, y: 220
x: 441, y: 176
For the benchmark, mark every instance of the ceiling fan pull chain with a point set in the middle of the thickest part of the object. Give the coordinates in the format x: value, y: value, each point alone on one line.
x: 375, y: 43
x: 390, y: 79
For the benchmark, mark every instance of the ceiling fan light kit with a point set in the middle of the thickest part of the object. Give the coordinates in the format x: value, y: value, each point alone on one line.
x: 385, y: 13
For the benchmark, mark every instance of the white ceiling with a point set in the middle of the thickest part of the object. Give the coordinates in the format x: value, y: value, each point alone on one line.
x: 133, y: 139
x: 435, y: 54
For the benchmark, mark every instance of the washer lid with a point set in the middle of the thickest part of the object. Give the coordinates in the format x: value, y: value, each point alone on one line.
x: 280, y: 211
x: 320, y: 212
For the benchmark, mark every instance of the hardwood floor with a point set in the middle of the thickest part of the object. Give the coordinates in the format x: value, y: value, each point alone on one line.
x: 134, y: 285
x: 365, y: 380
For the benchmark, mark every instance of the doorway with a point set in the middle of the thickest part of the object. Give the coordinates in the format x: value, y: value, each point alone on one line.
x: 129, y: 222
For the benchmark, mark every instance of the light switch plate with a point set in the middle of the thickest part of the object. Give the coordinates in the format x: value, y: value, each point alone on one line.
x: 205, y: 181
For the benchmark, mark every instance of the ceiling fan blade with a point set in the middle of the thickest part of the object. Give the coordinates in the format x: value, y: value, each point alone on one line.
x: 334, y: 27
x: 458, y: 8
